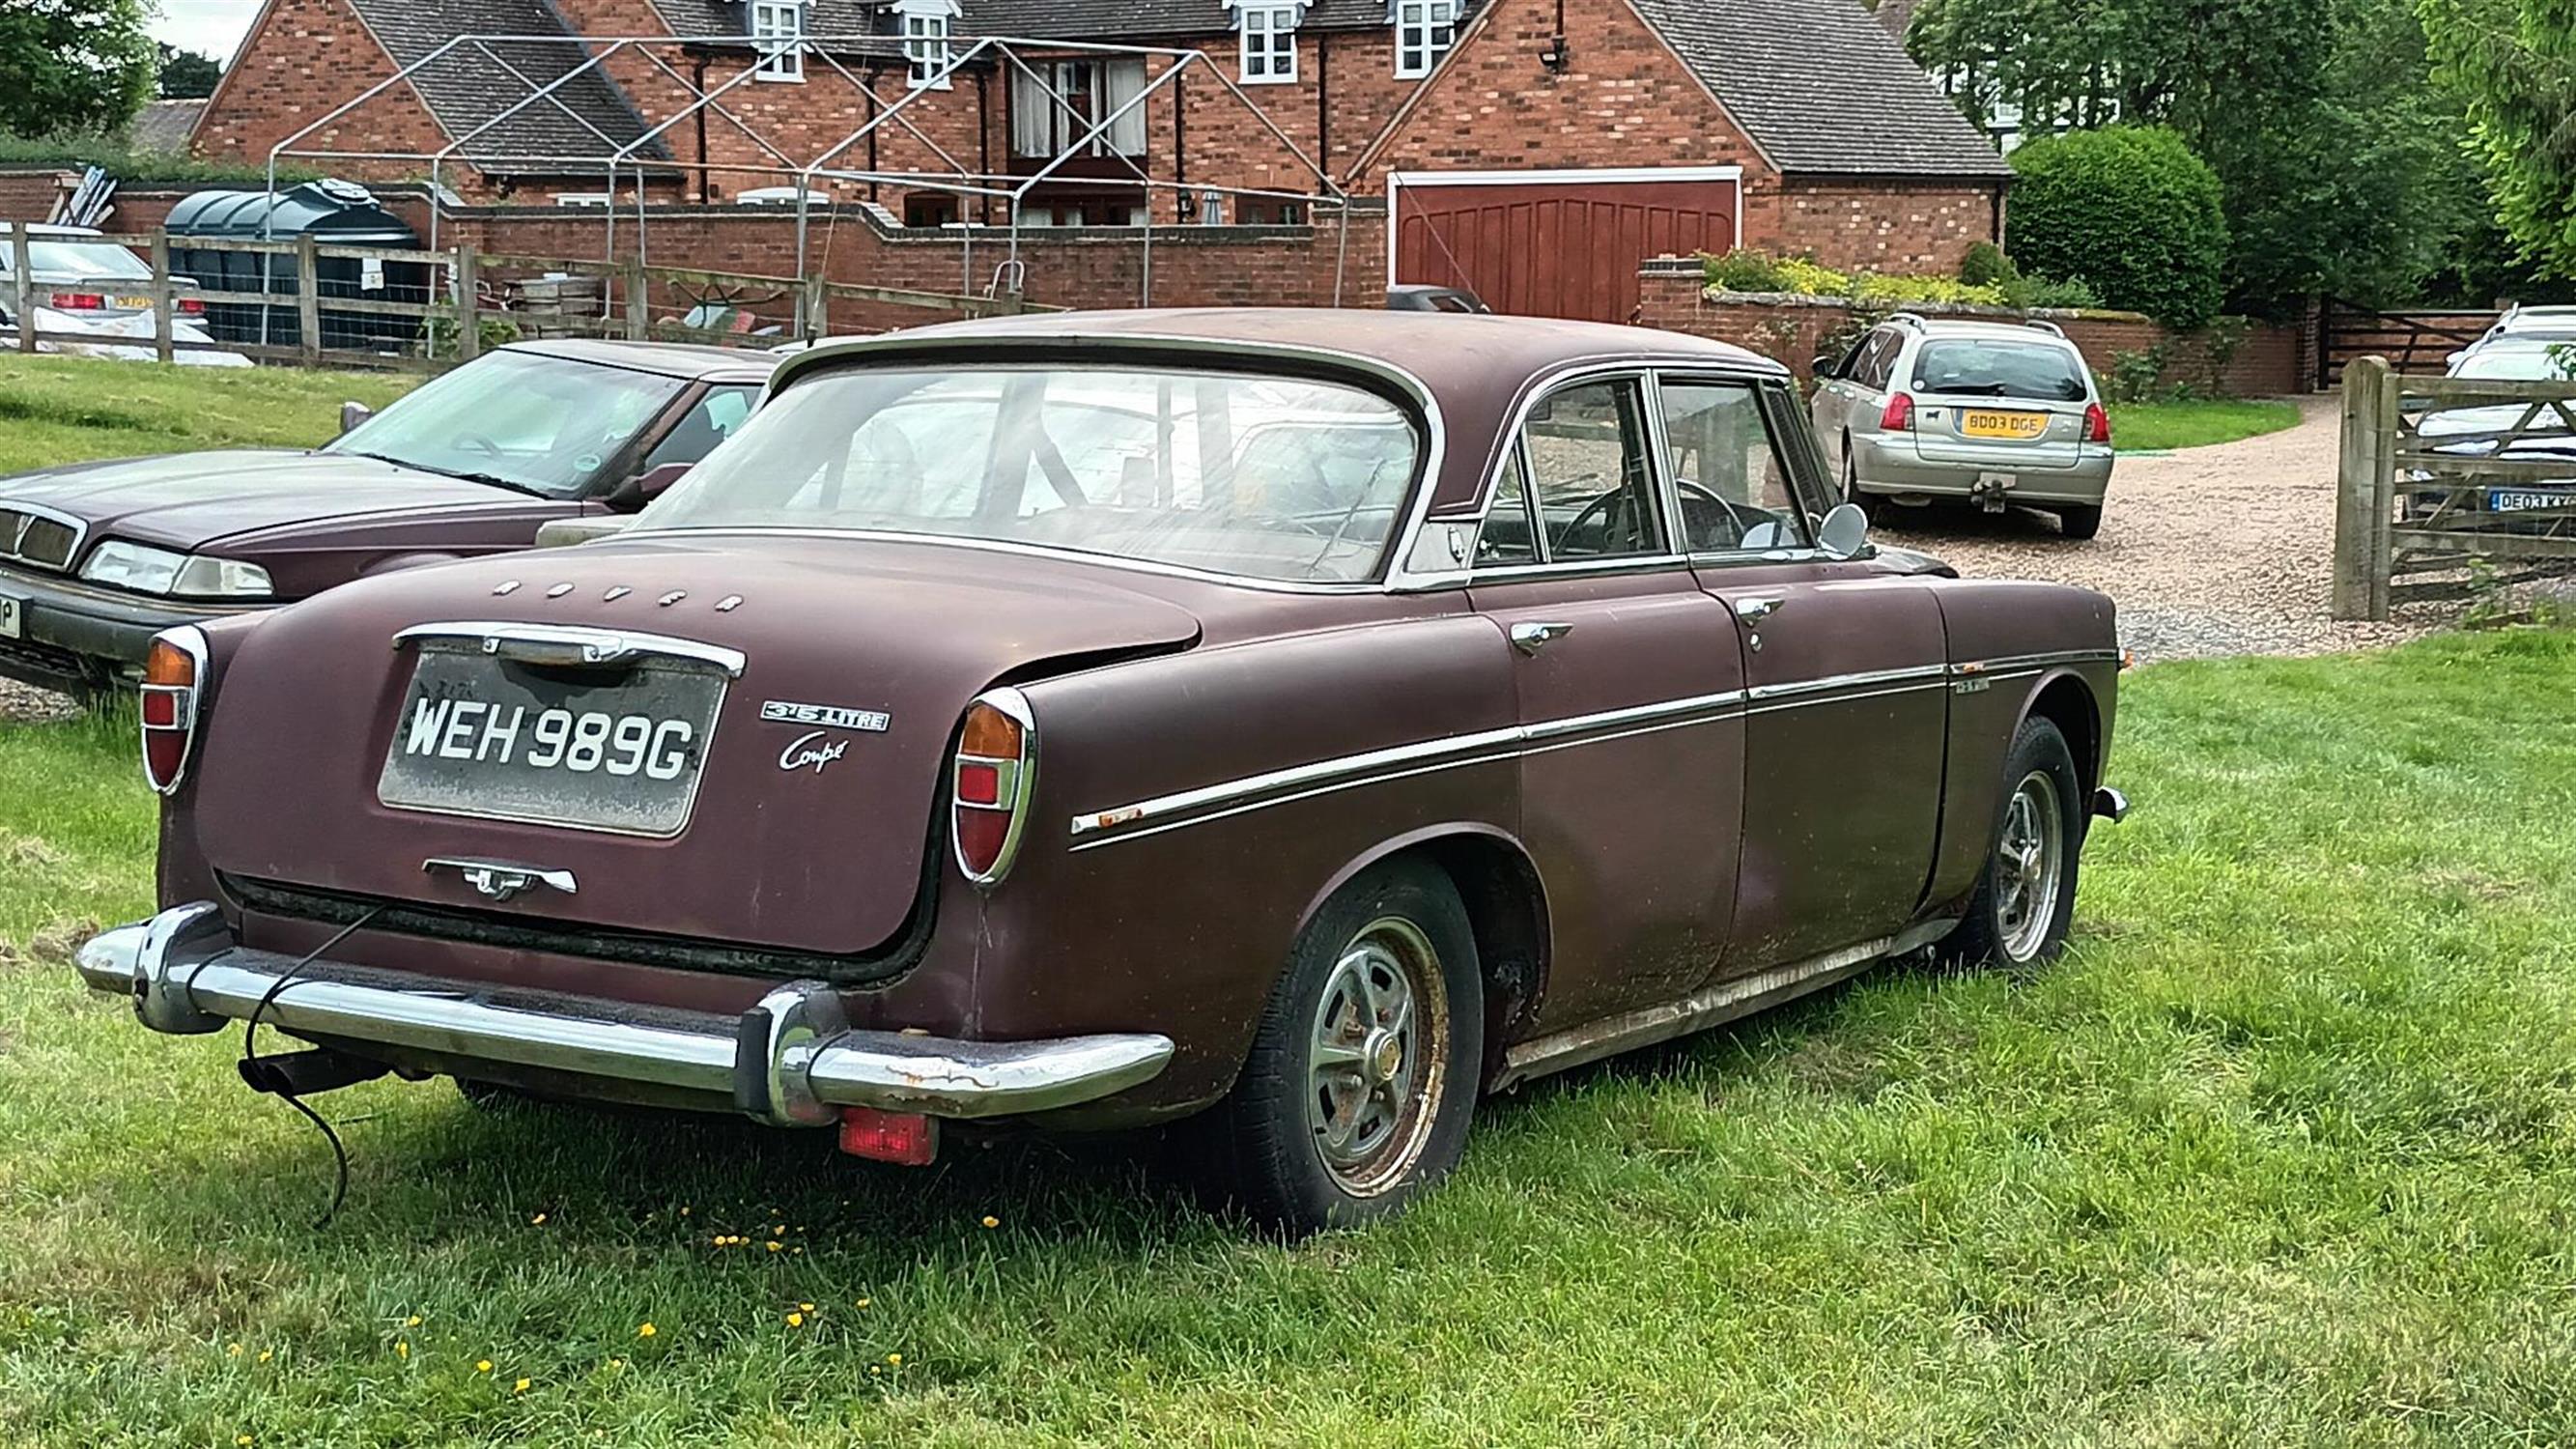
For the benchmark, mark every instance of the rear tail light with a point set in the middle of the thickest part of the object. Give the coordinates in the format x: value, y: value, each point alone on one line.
x: 997, y: 761
x: 1899, y: 416
x: 79, y: 302
x: 193, y: 306
x: 908, y: 1138
x: 174, y: 684
x: 2097, y: 424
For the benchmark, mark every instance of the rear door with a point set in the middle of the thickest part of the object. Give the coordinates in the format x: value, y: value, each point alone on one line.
x: 1629, y: 681
x: 1999, y: 402
x: 1846, y: 683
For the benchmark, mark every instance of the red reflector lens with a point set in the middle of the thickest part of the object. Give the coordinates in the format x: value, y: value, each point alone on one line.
x: 1899, y: 416
x: 981, y: 834
x: 160, y: 709
x: 978, y: 783
x: 908, y: 1138
x: 164, y: 751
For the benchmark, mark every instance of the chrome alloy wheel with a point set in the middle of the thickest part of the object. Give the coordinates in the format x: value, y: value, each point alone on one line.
x: 2030, y: 866
x: 1376, y: 1058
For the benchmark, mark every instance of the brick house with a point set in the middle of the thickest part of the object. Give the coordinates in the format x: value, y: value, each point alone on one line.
x: 1534, y: 150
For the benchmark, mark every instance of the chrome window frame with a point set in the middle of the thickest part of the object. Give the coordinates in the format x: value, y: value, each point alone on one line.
x: 1516, y: 441
x: 1767, y: 396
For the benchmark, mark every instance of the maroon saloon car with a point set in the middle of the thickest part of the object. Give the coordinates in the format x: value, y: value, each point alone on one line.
x: 1306, y: 722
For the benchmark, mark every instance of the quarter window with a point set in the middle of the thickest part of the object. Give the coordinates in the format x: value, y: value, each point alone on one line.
x: 1269, y: 44
x: 1510, y: 532
x: 1728, y: 470
x: 778, y: 33
x: 1424, y: 31
x: 1591, y: 473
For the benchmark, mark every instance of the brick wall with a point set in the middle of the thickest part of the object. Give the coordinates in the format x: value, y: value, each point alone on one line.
x: 308, y: 57
x: 1883, y: 224
x: 2273, y: 359
x: 28, y: 195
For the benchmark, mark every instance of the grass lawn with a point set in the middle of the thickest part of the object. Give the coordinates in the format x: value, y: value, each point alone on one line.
x: 2283, y: 1152
x: 65, y: 409
x: 2156, y: 427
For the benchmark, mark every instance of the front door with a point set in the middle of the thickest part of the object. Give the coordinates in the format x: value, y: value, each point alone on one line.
x: 1846, y: 684
x: 1630, y: 685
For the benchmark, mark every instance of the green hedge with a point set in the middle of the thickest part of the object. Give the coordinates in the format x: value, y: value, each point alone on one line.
x: 138, y: 168
x: 2130, y: 212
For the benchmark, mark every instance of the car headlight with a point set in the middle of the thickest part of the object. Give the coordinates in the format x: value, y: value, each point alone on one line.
x: 149, y: 570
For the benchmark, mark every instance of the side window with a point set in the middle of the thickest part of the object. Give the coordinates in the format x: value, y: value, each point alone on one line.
x: 1510, y: 534
x: 1591, y: 473
x: 716, y: 417
x: 1880, y: 363
x: 1732, y: 476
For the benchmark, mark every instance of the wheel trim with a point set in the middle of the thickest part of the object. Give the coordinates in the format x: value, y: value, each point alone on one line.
x: 1376, y: 1057
x: 2029, y: 866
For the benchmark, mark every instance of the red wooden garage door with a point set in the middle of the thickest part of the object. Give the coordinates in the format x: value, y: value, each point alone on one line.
x: 1555, y: 244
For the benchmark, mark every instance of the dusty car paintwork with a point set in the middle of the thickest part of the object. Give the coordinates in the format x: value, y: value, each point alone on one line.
x: 1737, y: 776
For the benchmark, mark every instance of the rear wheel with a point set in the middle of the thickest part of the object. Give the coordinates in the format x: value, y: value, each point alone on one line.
x: 1851, y: 485
x: 2026, y: 898
x: 2079, y: 520
x: 1363, y: 1072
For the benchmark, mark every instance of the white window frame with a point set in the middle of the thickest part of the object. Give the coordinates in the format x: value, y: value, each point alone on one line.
x: 1264, y: 25
x: 781, y: 50
x: 929, y: 30
x: 1418, y: 24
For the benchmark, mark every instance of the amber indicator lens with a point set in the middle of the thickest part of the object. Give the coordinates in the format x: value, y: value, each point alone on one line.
x: 167, y: 663
x: 990, y: 734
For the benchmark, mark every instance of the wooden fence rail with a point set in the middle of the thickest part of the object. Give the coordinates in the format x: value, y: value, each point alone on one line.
x: 2440, y: 472
x: 467, y: 292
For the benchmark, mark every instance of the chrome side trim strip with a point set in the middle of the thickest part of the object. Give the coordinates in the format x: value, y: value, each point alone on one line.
x: 572, y: 643
x: 1709, y: 1006
x: 1296, y: 775
x: 1832, y: 682
x: 2018, y: 661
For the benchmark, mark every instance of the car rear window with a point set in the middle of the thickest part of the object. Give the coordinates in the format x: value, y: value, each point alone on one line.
x: 103, y: 260
x: 1983, y: 367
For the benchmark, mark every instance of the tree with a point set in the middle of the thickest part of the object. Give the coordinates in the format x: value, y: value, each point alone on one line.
x: 73, y: 65
x: 2513, y: 64
x: 2131, y: 212
x: 187, y: 75
x: 2343, y: 168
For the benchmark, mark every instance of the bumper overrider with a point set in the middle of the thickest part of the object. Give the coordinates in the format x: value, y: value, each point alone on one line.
x: 789, y: 1061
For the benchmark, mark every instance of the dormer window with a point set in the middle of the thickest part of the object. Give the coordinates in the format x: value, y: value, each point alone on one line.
x: 928, y: 26
x: 1269, y: 42
x: 1424, y: 32
x: 778, y: 34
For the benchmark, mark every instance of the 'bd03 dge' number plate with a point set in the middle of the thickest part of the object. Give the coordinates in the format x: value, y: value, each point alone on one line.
x: 488, y: 737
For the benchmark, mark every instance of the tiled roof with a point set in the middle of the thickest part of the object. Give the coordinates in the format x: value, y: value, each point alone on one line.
x: 1820, y: 86
x: 588, y: 119
x: 822, y: 17
x: 163, y: 127
x: 1124, y: 19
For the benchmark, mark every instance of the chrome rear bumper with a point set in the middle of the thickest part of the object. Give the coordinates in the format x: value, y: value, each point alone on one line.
x: 790, y: 1061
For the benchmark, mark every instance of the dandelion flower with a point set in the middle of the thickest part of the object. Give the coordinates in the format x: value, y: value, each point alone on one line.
x: 266, y: 1354
x: 234, y: 1349
x: 617, y: 1363
x: 774, y: 1247
x: 412, y: 1322
x: 896, y: 1359
x: 241, y: 1438
x: 875, y: 1369
x: 684, y: 1212
x: 520, y: 1387
x: 483, y: 1365
x: 863, y: 1303
x: 991, y: 1221
x: 804, y: 1307
x: 645, y: 1331
x: 796, y: 1320
x: 796, y: 1252
x: 402, y: 1350
x: 538, y: 1221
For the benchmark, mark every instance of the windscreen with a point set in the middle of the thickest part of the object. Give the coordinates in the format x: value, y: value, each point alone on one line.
x: 1276, y: 478
x: 544, y: 425
x: 2555, y: 362
x: 101, y: 260
x: 1983, y: 367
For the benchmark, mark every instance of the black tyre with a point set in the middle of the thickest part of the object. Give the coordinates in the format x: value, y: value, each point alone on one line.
x: 2079, y: 521
x: 1364, y: 1069
x: 2026, y: 897
x: 1852, y: 495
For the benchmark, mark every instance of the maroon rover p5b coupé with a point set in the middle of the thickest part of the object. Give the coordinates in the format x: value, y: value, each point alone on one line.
x: 1305, y: 721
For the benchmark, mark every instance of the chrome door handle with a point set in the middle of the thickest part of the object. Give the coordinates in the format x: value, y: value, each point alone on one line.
x: 1754, y: 611
x: 1531, y: 636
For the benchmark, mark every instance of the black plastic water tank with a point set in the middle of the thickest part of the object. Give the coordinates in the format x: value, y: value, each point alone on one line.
x: 334, y: 213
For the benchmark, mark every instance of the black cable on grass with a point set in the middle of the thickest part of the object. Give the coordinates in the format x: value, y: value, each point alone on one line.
x: 250, y: 1064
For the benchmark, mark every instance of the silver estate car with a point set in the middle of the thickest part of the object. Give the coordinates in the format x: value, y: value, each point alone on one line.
x: 1997, y: 413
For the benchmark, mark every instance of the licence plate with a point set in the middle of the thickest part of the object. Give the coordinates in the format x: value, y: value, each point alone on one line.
x: 2520, y: 500
x: 2017, y: 427
x: 133, y: 304
x: 490, y: 738
x: 13, y: 616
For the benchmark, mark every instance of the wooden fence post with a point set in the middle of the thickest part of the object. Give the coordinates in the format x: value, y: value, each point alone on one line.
x: 22, y: 305
x: 639, y: 312
x: 308, y: 301
x: 2365, y: 482
x: 469, y: 315
x: 162, y: 300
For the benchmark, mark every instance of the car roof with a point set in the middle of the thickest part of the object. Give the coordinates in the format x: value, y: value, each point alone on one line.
x: 1999, y: 331
x: 670, y: 359
x: 49, y: 229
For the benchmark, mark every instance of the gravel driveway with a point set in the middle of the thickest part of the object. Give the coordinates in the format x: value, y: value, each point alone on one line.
x: 2219, y: 550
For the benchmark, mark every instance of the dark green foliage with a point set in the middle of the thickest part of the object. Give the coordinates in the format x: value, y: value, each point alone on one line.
x: 187, y: 75
x: 2131, y: 212
x: 138, y: 166
x: 1746, y: 271
x: 1985, y: 265
x: 73, y: 64
x: 2513, y: 63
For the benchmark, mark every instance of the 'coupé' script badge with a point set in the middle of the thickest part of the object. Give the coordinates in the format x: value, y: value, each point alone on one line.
x: 804, y: 751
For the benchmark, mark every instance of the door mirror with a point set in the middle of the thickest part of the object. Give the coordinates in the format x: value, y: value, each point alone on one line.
x: 352, y: 414
x: 1822, y: 368
x: 655, y: 482
x: 1845, y: 531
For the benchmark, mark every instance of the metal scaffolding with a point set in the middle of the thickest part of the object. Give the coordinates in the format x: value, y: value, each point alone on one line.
x: 1010, y: 56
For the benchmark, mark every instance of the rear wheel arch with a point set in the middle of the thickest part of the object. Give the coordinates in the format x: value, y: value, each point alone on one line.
x: 1506, y: 908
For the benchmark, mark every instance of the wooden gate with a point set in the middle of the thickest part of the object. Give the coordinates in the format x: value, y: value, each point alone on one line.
x: 2414, y: 341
